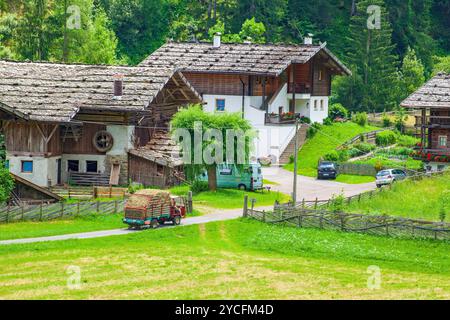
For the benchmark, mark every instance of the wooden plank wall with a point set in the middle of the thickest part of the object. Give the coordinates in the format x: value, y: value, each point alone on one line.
x: 84, y: 144
x: 26, y: 137
x: 321, y: 87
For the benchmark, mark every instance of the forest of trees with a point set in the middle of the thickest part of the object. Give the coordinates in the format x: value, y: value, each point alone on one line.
x: 387, y: 63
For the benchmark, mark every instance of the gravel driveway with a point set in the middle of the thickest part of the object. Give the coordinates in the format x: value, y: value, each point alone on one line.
x: 310, y: 188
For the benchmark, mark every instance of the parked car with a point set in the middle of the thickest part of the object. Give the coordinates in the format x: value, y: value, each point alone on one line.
x: 389, y: 176
x: 231, y: 176
x: 327, y: 170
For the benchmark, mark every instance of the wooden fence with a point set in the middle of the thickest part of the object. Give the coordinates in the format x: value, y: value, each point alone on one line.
x: 58, y: 210
x: 347, y: 222
x: 356, y: 169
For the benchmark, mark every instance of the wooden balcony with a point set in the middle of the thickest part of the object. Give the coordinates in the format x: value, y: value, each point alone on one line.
x: 300, y: 88
x: 433, y: 122
x: 280, y: 119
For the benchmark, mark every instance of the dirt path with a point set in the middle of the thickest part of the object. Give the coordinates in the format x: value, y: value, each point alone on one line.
x: 215, y: 216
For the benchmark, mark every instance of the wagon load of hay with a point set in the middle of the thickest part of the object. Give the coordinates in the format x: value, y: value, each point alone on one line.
x: 148, y: 202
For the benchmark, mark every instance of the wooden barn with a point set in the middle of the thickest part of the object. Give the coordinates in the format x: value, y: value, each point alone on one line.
x: 432, y: 100
x: 90, y: 125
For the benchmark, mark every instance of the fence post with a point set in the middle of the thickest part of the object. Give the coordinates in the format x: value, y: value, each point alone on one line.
x: 264, y: 215
x: 7, y: 213
x: 23, y: 212
x: 40, y: 212
x: 316, y: 203
x: 98, y: 206
x: 68, y: 190
x: 190, y: 202
x: 62, y: 209
x: 303, y: 203
x: 359, y: 197
x: 115, y: 206
x: 342, y: 222
x: 300, y: 218
x: 78, y: 207
x: 110, y: 191
x: 245, y: 213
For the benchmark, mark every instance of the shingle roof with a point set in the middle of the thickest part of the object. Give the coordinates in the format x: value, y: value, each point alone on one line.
x: 434, y: 94
x: 56, y: 92
x: 258, y: 59
x: 160, y: 149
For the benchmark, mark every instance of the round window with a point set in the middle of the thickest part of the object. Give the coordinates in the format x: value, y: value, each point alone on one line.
x: 103, y: 141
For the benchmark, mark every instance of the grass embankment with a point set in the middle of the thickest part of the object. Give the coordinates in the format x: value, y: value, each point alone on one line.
x: 410, y: 199
x: 325, y: 141
x: 385, y: 162
x: 354, y: 179
x: 87, y: 223
x: 240, y: 259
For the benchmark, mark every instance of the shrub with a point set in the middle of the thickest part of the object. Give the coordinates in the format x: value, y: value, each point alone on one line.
x: 304, y: 119
x: 291, y: 158
x: 313, y: 130
x: 6, y: 183
x: 343, y: 155
x: 337, y: 203
x: 354, y: 152
x: 337, y: 110
x: 364, y: 147
x: 360, y: 118
x: 199, y: 186
x: 379, y: 165
x: 332, y: 156
x: 386, y: 138
x: 386, y: 121
x: 327, y: 121
x: 407, y: 141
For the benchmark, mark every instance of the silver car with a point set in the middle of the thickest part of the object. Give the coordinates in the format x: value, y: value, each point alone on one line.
x: 389, y: 176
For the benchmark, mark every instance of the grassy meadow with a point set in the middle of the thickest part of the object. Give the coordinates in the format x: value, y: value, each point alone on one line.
x: 325, y: 141
x: 238, y: 259
x: 421, y: 199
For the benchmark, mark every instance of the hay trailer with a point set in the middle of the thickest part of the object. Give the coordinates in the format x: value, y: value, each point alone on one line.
x: 151, y: 208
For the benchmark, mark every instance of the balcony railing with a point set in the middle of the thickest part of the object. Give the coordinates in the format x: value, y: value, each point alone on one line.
x: 287, y: 118
x: 300, y: 88
x: 430, y: 121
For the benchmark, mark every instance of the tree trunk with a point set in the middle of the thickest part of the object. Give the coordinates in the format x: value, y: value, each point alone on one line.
x: 212, y: 178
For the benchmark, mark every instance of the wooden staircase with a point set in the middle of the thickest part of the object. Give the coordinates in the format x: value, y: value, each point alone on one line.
x: 289, y: 151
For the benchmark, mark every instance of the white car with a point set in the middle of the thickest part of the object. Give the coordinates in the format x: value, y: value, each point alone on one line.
x: 389, y: 176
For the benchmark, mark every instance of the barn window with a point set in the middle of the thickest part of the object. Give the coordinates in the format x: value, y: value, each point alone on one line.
x: 443, y: 141
x: 315, y: 105
x: 320, y: 75
x: 73, y: 165
x: 220, y: 105
x: 91, y: 166
x: 159, y: 169
x: 321, y: 105
x: 27, y: 166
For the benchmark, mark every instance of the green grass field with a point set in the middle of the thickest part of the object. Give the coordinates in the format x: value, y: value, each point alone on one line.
x: 240, y: 259
x: 410, y: 199
x: 325, y: 141
x: 231, y: 198
x: 88, y: 223
x: 354, y: 179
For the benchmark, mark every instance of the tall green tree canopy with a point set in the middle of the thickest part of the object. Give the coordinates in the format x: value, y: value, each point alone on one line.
x: 215, y: 147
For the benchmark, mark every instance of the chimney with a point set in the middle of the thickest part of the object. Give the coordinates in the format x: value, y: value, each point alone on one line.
x: 309, y: 39
x: 118, y: 86
x: 217, y: 40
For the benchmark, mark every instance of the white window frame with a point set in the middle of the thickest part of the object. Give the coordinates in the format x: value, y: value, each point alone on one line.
x: 224, y: 105
x: 316, y: 108
x: 440, y: 145
x: 322, y: 108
